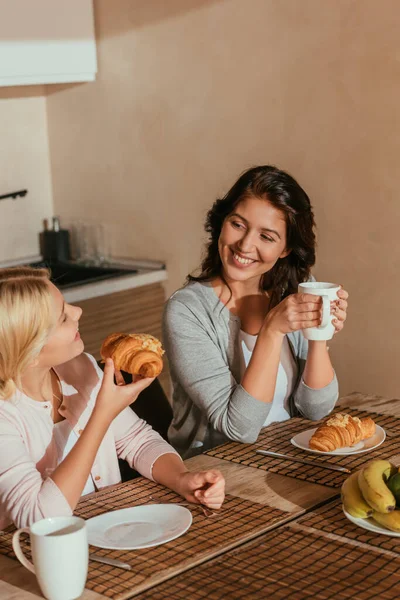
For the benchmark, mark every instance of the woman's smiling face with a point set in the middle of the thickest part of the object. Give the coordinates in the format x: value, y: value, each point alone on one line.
x: 252, y: 239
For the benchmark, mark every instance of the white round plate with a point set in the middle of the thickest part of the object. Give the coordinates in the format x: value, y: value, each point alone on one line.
x: 371, y: 525
x: 301, y: 441
x: 138, y: 526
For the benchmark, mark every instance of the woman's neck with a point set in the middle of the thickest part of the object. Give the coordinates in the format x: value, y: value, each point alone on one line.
x: 234, y: 292
x: 37, y: 384
x: 246, y: 301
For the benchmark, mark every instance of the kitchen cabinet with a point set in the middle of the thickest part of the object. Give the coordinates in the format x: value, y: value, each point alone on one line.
x: 46, y: 41
x: 136, y: 310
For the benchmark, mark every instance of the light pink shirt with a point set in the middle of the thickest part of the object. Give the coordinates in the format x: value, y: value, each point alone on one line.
x: 28, y: 452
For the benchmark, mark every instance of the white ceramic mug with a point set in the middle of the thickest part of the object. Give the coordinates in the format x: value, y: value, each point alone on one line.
x: 60, y: 554
x: 328, y: 293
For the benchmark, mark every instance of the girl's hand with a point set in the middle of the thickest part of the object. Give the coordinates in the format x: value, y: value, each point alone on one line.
x: 339, y: 309
x: 297, y: 311
x: 112, y: 398
x: 204, y: 487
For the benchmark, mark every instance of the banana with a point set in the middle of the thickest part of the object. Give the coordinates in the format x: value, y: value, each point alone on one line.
x: 353, y: 501
x: 371, y: 480
x: 390, y: 520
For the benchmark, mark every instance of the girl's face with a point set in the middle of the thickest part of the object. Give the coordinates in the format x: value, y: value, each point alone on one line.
x: 64, y: 342
x: 252, y: 239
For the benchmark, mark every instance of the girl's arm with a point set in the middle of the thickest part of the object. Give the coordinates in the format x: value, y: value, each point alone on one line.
x: 204, y: 487
x: 72, y: 473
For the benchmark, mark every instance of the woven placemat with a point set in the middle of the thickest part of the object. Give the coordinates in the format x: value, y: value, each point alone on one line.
x: 276, y: 437
x: 237, y: 521
x: 289, y: 564
x: 329, y: 519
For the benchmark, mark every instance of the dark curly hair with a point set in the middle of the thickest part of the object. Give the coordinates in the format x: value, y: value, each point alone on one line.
x: 285, y: 194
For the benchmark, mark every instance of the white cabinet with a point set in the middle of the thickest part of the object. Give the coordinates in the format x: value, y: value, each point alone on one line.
x: 46, y: 41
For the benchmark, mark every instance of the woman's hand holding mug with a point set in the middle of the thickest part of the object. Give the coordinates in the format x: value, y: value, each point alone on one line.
x: 318, y: 309
x: 297, y: 311
x: 334, y: 308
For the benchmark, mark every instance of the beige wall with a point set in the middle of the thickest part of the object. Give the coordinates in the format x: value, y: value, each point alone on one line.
x: 25, y: 164
x: 192, y: 92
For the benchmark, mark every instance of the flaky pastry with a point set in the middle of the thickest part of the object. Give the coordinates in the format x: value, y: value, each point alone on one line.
x: 341, y: 431
x: 135, y: 353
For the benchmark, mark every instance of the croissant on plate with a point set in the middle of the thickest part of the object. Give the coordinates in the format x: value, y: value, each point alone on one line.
x: 135, y: 353
x: 341, y: 431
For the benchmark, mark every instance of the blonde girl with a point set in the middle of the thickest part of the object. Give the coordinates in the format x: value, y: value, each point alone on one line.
x: 63, y: 424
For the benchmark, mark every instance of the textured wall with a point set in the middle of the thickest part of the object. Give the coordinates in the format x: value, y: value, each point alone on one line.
x: 192, y: 92
x: 24, y: 163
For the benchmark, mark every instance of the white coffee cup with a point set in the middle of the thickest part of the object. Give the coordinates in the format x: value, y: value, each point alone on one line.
x: 328, y: 292
x: 60, y: 554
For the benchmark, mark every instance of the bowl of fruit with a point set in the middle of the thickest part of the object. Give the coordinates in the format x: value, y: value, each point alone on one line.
x: 371, y: 497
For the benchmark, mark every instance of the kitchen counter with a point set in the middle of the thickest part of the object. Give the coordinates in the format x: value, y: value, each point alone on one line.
x: 117, y: 284
x: 148, y: 272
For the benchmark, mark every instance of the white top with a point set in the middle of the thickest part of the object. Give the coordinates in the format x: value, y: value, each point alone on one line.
x: 285, y: 379
x: 65, y: 439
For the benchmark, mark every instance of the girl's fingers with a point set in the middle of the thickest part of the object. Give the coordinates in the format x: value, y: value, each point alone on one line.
x: 214, y: 505
x: 213, y: 501
x: 108, y: 372
x: 119, y: 378
x: 215, y: 489
x: 138, y: 386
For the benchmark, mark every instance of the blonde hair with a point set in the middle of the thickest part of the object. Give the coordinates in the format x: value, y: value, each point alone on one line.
x: 26, y: 318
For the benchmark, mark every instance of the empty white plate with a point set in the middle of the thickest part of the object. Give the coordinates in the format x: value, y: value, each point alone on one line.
x: 301, y: 441
x: 139, y: 526
x: 371, y: 525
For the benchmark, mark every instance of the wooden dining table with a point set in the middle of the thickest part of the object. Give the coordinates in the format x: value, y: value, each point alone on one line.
x: 265, y: 513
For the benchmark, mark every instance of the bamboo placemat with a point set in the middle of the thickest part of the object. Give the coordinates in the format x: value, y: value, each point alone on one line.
x: 330, y: 520
x: 289, y: 564
x: 238, y: 521
x: 276, y: 437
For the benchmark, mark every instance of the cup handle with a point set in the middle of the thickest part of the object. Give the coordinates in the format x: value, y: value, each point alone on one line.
x: 18, y: 551
x: 326, y: 312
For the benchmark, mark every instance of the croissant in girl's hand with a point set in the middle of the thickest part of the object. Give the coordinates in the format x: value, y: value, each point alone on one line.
x: 135, y: 353
x: 341, y: 431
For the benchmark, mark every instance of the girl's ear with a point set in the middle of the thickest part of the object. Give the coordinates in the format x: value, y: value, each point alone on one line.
x: 285, y: 253
x: 34, y: 363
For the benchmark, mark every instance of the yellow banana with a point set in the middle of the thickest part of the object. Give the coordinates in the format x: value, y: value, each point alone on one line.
x: 390, y: 520
x: 371, y: 480
x: 353, y: 501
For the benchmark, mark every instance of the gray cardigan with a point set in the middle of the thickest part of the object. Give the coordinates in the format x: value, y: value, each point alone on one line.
x: 201, y: 340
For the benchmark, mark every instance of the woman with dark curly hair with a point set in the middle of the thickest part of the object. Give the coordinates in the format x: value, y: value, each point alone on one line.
x: 233, y: 334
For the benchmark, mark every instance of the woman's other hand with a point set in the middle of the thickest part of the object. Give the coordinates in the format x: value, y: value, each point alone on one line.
x: 114, y: 398
x: 203, y: 487
x: 297, y: 311
x: 339, y: 309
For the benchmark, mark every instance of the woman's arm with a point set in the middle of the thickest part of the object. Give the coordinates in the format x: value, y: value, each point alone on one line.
x: 202, y: 372
x: 318, y: 371
x: 295, y: 312
x: 312, y: 399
